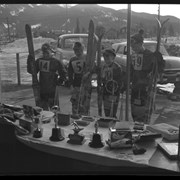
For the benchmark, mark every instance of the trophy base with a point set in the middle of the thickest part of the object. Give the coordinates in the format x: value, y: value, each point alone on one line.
x: 37, y: 133
x: 56, y: 135
x: 76, y: 139
x: 96, y: 141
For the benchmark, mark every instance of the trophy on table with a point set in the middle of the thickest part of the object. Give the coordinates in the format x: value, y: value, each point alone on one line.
x: 38, y: 131
x: 76, y: 138
x: 96, y: 138
x: 56, y: 131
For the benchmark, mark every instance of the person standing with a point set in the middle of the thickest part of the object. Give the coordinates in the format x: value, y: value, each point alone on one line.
x: 142, y: 63
x: 112, y: 82
x: 50, y: 72
x: 75, y: 73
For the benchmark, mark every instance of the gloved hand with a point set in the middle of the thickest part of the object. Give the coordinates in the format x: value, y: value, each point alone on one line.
x: 85, y: 76
x: 29, y: 61
x: 160, y: 61
x: 60, y: 81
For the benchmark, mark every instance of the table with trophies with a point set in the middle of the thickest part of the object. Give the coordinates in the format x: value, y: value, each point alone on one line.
x: 97, y: 140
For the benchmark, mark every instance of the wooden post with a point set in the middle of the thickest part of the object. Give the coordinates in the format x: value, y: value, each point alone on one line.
x: 0, y: 88
x: 18, y: 69
x: 128, y: 60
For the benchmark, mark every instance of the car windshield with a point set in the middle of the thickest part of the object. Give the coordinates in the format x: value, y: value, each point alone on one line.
x: 68, y: 42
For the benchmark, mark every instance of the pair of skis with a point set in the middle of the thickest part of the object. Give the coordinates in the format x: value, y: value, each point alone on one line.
x: 86, y: 87
x: 100, y: 31
x: 35, y: 82
x: 155, y: 73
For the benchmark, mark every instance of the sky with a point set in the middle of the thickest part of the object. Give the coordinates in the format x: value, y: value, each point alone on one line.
x: 165, y: 9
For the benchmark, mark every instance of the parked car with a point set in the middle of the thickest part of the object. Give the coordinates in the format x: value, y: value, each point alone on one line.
x: 171, y: 72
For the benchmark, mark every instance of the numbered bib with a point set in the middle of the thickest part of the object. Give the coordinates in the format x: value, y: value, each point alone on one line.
x: 137, y: 61
x: 78, y: 66
x: 44, y: 65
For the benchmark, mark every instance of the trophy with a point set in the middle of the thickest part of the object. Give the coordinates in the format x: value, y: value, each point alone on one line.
x: 76, y: 138
x: 96, y: 139
x: 38, y: 131
x: 56, y: 131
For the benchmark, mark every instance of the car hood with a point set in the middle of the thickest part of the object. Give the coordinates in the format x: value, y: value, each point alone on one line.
x: 172, y: 63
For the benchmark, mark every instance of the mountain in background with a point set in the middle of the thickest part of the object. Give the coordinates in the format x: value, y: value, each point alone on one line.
x: 62, y: 19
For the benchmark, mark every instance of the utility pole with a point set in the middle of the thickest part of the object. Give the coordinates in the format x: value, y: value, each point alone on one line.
x: 158, y: 17
x: 7, y: 19
x: 128, y: 60
x: 159, y: 12
x: 66, y: 19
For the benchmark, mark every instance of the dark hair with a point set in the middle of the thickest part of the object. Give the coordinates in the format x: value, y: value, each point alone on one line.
x: 77, y: 45
x: 141, y: 31
x: 109, y: 51
x: 46, y: 46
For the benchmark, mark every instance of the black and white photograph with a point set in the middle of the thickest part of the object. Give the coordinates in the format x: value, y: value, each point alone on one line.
x: 90, y: 89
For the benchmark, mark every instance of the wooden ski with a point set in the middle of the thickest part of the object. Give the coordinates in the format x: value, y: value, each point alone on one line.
x: 100, y: 30
x: 86, y: 86
x: 155, y: 73
x: 35, y: 82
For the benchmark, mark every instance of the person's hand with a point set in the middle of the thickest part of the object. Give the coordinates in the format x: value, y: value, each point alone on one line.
x: 158, y: 55
x: 160, y: 61
x: 30, y: 57
x: 85, y: 76
x: 29, y: 63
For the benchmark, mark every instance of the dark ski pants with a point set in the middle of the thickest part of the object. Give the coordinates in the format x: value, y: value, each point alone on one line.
x: 47, y: 100
x: 140, y: 109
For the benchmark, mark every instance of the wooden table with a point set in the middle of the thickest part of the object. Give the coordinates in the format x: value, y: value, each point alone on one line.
x: 100, y: 156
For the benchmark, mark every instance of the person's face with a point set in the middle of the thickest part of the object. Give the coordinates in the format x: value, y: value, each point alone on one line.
x: 108, y: 58
x: 47, y: 53
x: 78, y: 52
x: 136, y: 47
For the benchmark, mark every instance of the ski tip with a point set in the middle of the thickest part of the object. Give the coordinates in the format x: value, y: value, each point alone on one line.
x: 159, y: 23
x: 27, y: 26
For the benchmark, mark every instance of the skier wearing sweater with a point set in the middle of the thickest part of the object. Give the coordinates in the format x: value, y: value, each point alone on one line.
x: 50, y: 71
x: 112, y: 81
x: 142, y: 63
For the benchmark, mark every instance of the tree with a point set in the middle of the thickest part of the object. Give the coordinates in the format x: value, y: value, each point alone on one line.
x: 77, y: 30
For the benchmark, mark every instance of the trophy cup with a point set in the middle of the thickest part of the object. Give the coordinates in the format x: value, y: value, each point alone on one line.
x: 96, y: 139
x: 56, y: 131
x: 76, y: 138
x: 38, y: 131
